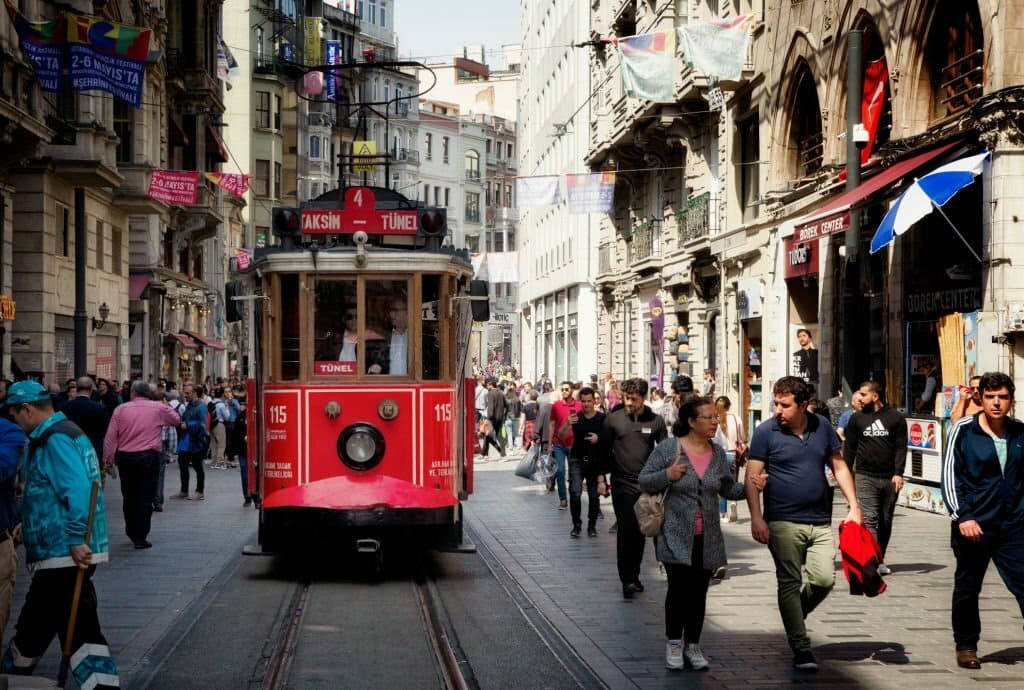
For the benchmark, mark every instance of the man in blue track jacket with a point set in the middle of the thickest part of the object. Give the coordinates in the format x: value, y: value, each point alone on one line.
x: 983, y: 486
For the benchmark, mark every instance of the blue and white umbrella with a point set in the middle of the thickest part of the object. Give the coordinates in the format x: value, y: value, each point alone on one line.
x: 927, y: 194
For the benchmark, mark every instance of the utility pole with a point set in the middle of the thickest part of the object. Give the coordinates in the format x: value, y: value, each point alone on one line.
x: 856, y: 138
x: 81, y: 254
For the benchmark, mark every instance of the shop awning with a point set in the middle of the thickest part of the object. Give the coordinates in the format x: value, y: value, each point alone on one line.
x: 178, y: 136
x: 215, y: 147
x: 138, y: 283
x: 834, y: 216
x: 212, y: 343
x: 179, y: 339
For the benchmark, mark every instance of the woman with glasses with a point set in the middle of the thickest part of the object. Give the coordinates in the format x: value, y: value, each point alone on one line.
x: 690, y: 545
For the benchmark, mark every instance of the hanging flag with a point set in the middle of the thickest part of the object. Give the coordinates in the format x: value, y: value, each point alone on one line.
x: 331, y: 78
x: 593, y: 193
x: 647, y: 62
x: 542, y: 190
x: 227, y: 65
x: 43, y: 44
x: 876, y: 79
x: 313, y: 83
x: 312, y: 45
x: 243, y: 258
x: 174, y: 186
x: 716, y: 48
x: 233, y: 183
x: 107, y: 56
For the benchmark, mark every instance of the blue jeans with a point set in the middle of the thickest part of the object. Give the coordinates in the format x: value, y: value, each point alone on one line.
x: 560, y: 454
x: 243, y: 466
x: 511, y: 431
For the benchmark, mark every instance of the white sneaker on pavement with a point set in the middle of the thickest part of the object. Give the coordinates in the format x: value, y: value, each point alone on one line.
x: 884, y: 570
x: 694, y: 657
x: 674, y: 655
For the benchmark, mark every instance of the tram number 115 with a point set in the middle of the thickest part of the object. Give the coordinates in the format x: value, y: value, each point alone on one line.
x: 443, y: 412
x: 278, y: 414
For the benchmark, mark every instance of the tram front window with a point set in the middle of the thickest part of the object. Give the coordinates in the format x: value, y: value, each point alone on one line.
x: 336, y: 323
x: 389, y: 299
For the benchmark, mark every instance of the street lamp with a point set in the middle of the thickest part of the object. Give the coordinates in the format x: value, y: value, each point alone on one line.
x: 104, y: 313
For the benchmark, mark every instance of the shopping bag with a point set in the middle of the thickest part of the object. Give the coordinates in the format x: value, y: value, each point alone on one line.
x: 528, y: 464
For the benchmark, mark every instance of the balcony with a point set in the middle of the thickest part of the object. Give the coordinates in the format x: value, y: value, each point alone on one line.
x: 406, y: 155
x: 694, y: 221
x: 605, y: 259
x: 961, y: 82
x: 472, y: 216
x: 473, y: 175
x: 645, y: 246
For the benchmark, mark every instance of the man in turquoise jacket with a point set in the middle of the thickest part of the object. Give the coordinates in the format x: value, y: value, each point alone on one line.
x: 57, y: 473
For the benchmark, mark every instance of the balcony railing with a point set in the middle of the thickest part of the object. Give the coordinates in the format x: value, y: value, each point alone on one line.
x: 695, y: 220
x: 409, y: 155
x: 473, y: 175
x: 961, y: 82
x: 605, y: 258
x: 472, y: 216
x: 644, y: 244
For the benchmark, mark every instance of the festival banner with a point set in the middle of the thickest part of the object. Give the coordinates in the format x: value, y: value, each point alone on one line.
x: 331, y: 78
x: 43, y: 45
x: 647, y: 62
x: 227, y: 65
x: 174, y: 186
x: 593, y: 193
x: 233, y: 183
x: 716, y: 48
x: 311, y: 54
x: 243, y: 258
x: 107, y: 56
x: 541, y: 190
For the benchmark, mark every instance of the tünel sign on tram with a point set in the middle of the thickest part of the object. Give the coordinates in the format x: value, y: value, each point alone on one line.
x: 344, y: 222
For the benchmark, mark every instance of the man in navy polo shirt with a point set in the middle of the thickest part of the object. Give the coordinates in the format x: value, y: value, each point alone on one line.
x: 793, y: 447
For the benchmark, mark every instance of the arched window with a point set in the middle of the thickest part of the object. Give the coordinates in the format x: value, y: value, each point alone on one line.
x: 472, y: 165
x: 805, y: 144
x: 956, y: 57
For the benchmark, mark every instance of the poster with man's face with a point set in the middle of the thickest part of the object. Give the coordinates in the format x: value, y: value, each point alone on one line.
x: 804, y: 358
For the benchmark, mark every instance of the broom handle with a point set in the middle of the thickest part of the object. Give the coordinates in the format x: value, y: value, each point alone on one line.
x: 79, y: 579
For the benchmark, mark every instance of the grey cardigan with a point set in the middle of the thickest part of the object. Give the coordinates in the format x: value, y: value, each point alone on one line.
x: 675, y: 543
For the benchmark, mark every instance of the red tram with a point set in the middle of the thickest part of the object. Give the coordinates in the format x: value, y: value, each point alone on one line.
x: 362, y: 418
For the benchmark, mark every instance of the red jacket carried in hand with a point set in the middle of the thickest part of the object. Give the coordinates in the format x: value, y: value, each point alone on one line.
x: 861, y: 558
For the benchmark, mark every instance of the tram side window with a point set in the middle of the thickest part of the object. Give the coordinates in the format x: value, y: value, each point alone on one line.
x: 387, y: 316
x: 336, y: 328
x: 289, y: 330
x: 431, y: 318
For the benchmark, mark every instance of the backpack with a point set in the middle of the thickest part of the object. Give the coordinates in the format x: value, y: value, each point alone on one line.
x: 211, y: 408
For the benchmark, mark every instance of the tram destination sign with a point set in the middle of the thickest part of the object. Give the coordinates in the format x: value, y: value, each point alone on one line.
x: 360, y: 213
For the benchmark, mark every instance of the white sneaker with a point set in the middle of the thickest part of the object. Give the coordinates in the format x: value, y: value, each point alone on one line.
x: 694, y: 657
x: 884, y: 570
x: 674, y: 655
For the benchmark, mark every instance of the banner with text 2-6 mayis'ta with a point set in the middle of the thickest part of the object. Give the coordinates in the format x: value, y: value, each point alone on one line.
x: 174, y: 186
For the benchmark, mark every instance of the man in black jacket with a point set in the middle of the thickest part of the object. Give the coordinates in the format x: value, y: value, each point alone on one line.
x: 630, y: 433
x: 876, y: 447
x: 90, y: 416
x: 496, y: 416
x: 982, y: 485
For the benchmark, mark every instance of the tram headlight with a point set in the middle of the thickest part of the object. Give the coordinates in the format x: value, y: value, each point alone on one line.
x: 360, y: 446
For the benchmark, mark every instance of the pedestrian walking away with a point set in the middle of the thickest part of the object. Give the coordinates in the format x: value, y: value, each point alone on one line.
x: 90, y: 416
x: 792, y: 447
x: 982, y: 485
x: 690, y: 546
x: 12, y: 445
x: 168, y: 443
x: 587, y: 464
x: 495, y: 401
x: 564, y: 413
x: 876, y: 448
x: 193, y: 442
x: 630, y: 433
x: 58, y: 473
x: 134, y: 441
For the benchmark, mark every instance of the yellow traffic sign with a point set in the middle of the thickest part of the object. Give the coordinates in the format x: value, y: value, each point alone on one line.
x: 364, y: 156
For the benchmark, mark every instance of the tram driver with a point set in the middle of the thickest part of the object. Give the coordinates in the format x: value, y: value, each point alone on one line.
x: 341, y: 342
x: 394, y: 357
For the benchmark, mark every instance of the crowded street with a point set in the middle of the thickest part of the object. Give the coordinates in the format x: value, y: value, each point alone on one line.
x: 176, y: 615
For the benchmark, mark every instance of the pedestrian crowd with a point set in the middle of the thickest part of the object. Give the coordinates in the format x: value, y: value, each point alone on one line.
x: 623, y: 440
x: 57, y: 447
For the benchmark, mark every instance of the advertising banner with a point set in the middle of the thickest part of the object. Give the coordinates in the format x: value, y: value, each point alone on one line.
x: 174, y: 186
x: 107, y: 56
x: 716, y: 48
x: 591, y: 193
x: 331, y: 85
x: 233, y: 183
x: 43, y: 44
x: 540, y: 190
x: 647, y: 65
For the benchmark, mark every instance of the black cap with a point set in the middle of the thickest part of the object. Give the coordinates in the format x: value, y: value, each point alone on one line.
x: 682, y: 384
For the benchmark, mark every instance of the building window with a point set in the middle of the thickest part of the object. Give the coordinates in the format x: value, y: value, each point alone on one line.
x: 278, y: 175
x: 487, y: 146
x: 277, y: 112
x: 63, y: 230
x: 426, y: 193
x: 437, y: 196
x: 428, y: 145
x: 262, y: 110
x: 472, y: 165
x: 373, y: 12
x: 314, y: 148
x: 447, y: 196
x: 261, y: 178
x: 749, y: 177
x: 445, y: 141
x: 123, y: 121
x: 472, y: 207
x: 116, y: 258
x: 383, y: 13
x: 510, y: 150
x: 100, y: 251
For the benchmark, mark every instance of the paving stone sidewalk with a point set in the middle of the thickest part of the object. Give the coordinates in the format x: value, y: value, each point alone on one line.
x: 900, y: 639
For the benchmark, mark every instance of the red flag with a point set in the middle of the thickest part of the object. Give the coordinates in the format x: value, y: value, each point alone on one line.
x: 876, y: 78
x: 233, y: 183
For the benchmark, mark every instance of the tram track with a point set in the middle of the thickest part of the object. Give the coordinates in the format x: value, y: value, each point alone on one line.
x: 284, y: 644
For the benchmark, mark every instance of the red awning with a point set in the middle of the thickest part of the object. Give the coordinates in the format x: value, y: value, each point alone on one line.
x: 179, y: 339
x: 178, y: 135
x: 835, y: 215
x: 215, y: 147
x: 138, y: 283
x: 211, y: 343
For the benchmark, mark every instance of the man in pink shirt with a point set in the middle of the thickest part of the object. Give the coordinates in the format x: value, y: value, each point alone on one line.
x: 133, y: 441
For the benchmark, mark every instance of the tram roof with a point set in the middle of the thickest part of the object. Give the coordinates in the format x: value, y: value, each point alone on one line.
x: 378, y: 260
